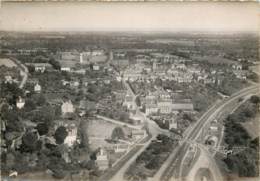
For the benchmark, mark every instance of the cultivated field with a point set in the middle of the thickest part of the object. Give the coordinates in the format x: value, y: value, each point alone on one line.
x: 7, y: 62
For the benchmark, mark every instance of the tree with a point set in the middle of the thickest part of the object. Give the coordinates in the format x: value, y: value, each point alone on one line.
x: 13, y: 123
x: 118, y: 133
x: 42, y: 128
x: 84, y: 141
x: 40, y: 100
x: 30, y: 105
x: 29, y: 141
x: 55, y: 64
x: 60, y: 134
x: 255, y: 99
x: 153, y: 164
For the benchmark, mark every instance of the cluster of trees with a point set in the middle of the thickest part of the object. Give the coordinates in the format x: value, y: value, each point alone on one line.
x: 244, y: 163
x: 10, y: 92
x: 156, y: 153
x: 151, y: 159
x: 118, y: 133
x: 230, y: 85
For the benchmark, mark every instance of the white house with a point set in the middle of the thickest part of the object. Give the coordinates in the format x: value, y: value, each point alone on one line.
x: 65, y: 69
x: 20, y: 102
x: 72, y: 134
x: 67, y: 107
x: 37, y: 88
x: 102, y: 159
x: 96, y: 67
x: 173, y: 124
x: 165, y: 107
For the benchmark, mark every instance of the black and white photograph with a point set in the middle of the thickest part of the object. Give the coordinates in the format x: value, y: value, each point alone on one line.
x: 129, y: 91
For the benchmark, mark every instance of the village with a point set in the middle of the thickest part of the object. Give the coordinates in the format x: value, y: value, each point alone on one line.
x: 85, y: 110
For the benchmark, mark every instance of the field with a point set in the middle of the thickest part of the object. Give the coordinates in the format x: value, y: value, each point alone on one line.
x: 171, y: 41
x: 256, y: 69
x: 213, y: 60
x: 99, y: 130
x: 7, y: 62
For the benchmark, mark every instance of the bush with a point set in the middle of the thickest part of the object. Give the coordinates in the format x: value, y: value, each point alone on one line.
x: 118, y: 133
x: 60, y: 134
x: 29, y: 141
x: 42, y: 128
x: 153, y: 164
x: 255, y: 99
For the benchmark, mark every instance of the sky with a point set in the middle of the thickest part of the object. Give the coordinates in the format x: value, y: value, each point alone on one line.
x: 157, y: 16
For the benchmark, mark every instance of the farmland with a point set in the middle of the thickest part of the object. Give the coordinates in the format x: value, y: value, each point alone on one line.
x: 7, y: 62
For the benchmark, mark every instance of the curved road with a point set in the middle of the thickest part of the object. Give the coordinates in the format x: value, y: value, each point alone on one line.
x: 174, y: 166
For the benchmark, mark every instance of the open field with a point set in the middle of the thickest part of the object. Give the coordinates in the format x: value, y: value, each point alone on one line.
x: 256, y: 69
x: 213, y: 60
x: 99, y: 130
x: 7, y: 62
x: 173, y: 41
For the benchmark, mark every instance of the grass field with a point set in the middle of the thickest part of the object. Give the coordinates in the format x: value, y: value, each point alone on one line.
x: 99, y: 130
x: 7, y: 62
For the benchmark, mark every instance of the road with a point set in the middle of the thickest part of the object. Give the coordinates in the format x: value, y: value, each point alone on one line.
x: 118, y: 122
x: 153, y: 128
x: 173, y: 168
x: 23, y: 72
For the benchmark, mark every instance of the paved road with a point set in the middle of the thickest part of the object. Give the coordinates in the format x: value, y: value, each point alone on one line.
x: 173, y: 168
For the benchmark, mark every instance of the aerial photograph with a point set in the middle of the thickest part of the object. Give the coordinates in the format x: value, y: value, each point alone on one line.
x: 129, y: 91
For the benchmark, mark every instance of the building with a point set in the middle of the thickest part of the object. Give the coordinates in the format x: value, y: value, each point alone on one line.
x: 237, y: 66
x: 9, y: 79
x: 40, y: 67
x: 102, y: 159
x: 96, y: 67
x: 37, y: 88
x: 187, y: 107
x: 81, y: 58
x: 173, y: 124
x: 151, y: 109
x: 72, y: 134
x: 129, y: 102
x: 119, y: 148
x: 240, y: 74
x: 65, y: 69
x: 67, y: 107
x: 20, y: 102
x: 165, y: 107
x: 138, y: 134
x: 97, y: 52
